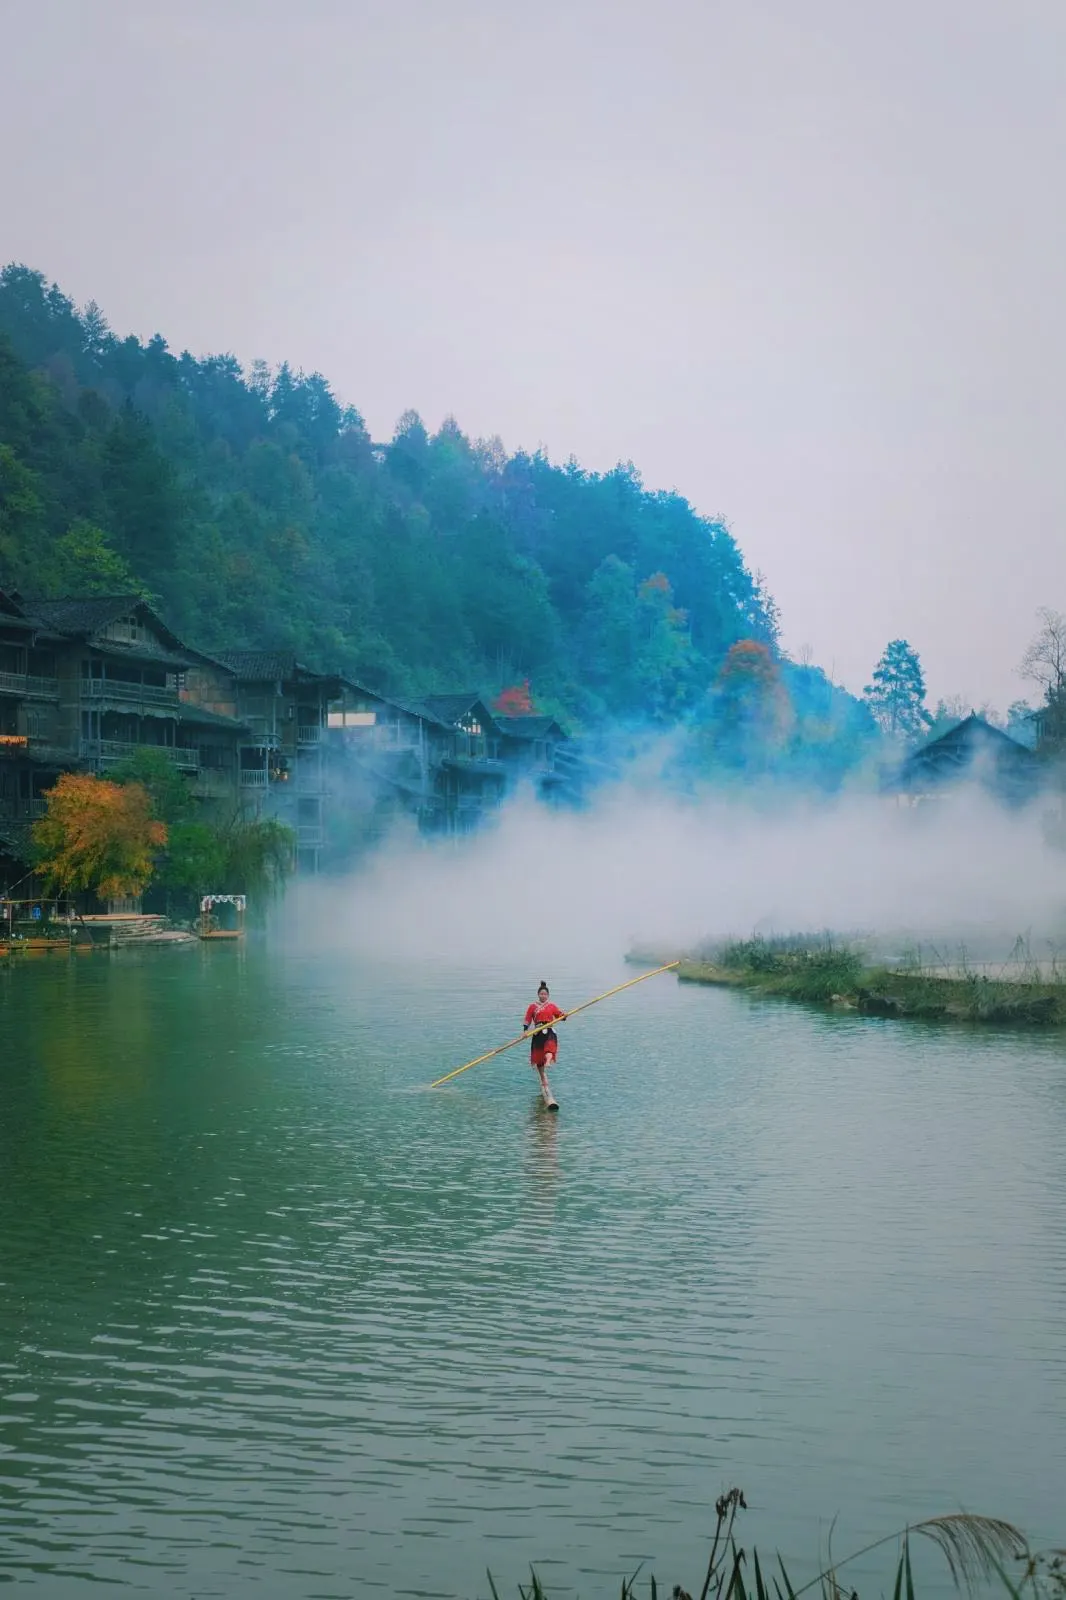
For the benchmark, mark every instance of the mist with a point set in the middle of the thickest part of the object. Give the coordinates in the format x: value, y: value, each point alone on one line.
x: 643, y: 868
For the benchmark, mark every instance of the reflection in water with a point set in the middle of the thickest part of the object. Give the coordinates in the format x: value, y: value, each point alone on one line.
x: 270, y: 1324
x: 543, y: 1162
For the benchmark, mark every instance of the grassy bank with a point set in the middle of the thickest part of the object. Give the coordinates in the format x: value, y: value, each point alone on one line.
x: 821, y: 970
x: 983, y: 1553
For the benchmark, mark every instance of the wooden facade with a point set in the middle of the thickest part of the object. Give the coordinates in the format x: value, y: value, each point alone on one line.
x: 448, y: 761
x: 85, y: 683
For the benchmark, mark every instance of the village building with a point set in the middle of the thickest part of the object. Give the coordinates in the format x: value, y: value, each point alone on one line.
x: 448, y: 761
x: 85, y: 683
x: 282, y: 708
x: 973, y: 752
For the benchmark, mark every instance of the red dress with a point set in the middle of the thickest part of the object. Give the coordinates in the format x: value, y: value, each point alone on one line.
x: 543, y: 1047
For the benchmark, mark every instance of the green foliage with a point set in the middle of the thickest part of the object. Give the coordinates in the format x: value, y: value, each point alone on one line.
x: 803, y: 968
x: 256, y: 858
x: 195, y: 861
x: 896, y: 697
x: 260, y: 513
x: 253, y: 858
x: 170, y: 791
x: 84, y: 563
x: 768, y: 718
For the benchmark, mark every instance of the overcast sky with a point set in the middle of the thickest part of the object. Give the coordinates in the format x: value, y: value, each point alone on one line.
x: 802, y: 260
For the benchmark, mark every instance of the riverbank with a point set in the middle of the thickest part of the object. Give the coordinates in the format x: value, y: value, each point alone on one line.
x: 84, y: 935
x: 823, y: 972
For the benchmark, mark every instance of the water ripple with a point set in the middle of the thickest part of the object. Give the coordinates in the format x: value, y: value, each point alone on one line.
x: 271, y: 1320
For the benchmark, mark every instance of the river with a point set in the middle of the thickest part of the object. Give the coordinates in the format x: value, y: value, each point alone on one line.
x: 275, y: 1319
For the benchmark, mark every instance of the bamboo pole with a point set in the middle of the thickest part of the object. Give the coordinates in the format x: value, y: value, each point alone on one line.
x: 543, y: 1028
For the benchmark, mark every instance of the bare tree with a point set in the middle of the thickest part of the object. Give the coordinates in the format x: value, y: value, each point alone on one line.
x: 1045, y: 660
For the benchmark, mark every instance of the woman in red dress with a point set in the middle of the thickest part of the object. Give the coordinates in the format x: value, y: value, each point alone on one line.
x: 543, y: 1047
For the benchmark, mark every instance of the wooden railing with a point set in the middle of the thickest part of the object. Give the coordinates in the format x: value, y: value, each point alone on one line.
x: 119, y: 689
x: 254, y: 777
x: 25, y: 683
x: 121, y: 749
x: 15, y: 808
x: 308, y: 733
x: 215, y: 782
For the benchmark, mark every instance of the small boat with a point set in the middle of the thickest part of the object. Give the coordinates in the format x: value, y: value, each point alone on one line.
x: 209, y: 924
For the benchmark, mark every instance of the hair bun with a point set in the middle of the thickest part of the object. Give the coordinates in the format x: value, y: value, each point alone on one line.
x: 543, y: 985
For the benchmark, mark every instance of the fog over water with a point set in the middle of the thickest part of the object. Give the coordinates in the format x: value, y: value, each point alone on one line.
x: 643, y: 867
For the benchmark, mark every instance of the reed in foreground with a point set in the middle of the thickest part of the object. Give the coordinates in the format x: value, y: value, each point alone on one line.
x: 977, y: 1550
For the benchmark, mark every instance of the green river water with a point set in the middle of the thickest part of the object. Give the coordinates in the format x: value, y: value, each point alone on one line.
x: 274, y: 1319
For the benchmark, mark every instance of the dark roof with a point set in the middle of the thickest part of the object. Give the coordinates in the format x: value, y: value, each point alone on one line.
x: 75, y: 615
x: 520, y: 727
x: 1001, y: 761
x: 259, y: 666
x: 449, y: 708
x: 83, y: 617
x: 13, y: 615
x: 188, y: 712
x: 270, y: 666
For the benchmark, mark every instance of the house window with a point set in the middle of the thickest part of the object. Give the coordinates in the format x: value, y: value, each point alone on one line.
x: 127, y: 630
x: 351, y: 719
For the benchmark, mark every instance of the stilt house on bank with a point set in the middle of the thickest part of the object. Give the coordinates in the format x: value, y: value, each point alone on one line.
x: 87, y: 682
x: 446, y: 760
x: 971, y: 752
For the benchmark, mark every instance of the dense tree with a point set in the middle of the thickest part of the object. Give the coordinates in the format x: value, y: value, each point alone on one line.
x: 168, y: 789
x: 259, y: 513
x: 515, y: 701
x: 97, y: 836
x: 896, y: 697
x: 84, y: 562
x: 251, y: 857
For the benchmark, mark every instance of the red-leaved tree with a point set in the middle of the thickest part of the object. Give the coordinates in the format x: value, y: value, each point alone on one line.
x: 516, y: 701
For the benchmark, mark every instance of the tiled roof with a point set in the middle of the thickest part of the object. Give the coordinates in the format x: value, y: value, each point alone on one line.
x: 448, y: 708
x: 84, y: 617
x: 526, y: 727
x: 260, y: 666
x: 206, y: 718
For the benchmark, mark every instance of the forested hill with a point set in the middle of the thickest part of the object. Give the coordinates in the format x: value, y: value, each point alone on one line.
x: 258, y: 512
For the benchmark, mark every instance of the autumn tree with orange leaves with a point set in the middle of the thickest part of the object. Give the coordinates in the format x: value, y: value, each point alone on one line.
x: 751, y: 692
x: 98, y: 836
x: 515, y: 701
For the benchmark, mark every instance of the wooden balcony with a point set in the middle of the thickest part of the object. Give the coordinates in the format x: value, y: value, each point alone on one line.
x: 29, y: 687
x: 23, y: 810
x: 254, y: 778
x: 309, y: 733
x: 216, y: 783
x: 108, y: 750
x: 147, y: 694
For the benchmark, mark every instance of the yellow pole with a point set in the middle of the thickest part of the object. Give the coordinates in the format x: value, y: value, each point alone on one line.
x: 670, y: 965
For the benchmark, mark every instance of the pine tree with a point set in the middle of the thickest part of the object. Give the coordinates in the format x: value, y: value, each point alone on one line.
x: 896, y: 697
